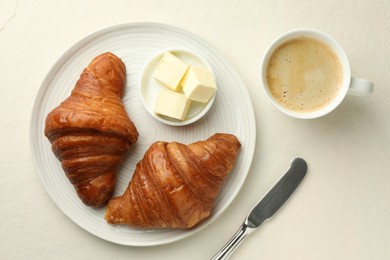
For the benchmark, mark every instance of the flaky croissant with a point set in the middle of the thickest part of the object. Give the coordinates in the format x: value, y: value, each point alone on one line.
x: 90, y: 131
x: 175, y: 185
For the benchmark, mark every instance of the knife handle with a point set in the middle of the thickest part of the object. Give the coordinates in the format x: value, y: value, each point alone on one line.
x: 233, y: 243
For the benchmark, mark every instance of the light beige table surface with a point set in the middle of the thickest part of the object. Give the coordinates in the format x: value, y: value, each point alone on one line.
x: 342, y: 209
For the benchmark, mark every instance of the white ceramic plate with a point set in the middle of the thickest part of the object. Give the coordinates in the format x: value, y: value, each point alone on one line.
x: 232, y: 112
x: 150, y: 88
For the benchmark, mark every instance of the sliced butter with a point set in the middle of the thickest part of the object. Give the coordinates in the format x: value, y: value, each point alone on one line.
x: 172, y: 104
x: 199, y: 85
x: 170, y: 70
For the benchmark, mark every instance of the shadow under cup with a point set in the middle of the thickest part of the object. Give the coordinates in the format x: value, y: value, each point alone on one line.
x: 330, y: 43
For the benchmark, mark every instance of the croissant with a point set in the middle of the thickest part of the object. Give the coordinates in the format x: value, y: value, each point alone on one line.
x: 175, y: 185
x: 90, y: 131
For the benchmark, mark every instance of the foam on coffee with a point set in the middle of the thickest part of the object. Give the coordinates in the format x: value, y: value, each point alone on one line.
x: 304, y: 74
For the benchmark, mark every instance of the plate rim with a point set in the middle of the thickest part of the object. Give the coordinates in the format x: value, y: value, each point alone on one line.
x: 68, y: 53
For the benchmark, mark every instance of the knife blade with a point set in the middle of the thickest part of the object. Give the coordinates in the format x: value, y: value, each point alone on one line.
x: 268, y: 205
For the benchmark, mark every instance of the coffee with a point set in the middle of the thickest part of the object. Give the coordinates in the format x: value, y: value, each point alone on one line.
x: 304, y: 74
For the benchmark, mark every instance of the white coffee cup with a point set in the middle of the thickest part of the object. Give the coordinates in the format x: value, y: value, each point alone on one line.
x: 348, y: 85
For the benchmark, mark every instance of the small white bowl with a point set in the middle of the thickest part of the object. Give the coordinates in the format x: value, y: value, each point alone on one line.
x: 149, y: 88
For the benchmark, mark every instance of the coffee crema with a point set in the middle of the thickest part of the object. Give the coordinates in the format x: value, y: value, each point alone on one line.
x: 304, y: 74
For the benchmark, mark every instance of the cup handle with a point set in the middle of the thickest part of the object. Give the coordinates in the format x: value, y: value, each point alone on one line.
x: 360, y: 87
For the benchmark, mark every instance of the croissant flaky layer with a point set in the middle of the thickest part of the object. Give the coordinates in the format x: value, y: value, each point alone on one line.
x: 90, y: 131
x: 175, y: 185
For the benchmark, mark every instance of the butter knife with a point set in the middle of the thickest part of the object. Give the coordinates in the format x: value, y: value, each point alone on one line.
x: 267, y: 206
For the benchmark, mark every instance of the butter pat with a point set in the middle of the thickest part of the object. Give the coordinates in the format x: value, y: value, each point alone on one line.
x: 172, y: 104
x: 170, y: 70
x: 199, y: 85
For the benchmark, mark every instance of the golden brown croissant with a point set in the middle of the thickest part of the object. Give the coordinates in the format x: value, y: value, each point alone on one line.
x: 90, y: 131
x: 175, y: 185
